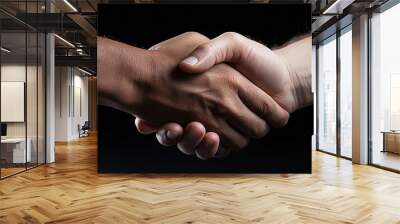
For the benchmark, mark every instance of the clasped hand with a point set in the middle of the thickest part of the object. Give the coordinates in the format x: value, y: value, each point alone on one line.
x: 209, y: 97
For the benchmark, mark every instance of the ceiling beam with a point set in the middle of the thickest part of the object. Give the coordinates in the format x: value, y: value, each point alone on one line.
x: 81, y: 61
x: 83, y: 23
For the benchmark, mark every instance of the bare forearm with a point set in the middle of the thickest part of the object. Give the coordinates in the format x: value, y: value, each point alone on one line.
x: 120, y: 69
x: 297, y: 55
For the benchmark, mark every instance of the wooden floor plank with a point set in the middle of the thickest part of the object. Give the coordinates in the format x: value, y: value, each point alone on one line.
x: 71, y: 191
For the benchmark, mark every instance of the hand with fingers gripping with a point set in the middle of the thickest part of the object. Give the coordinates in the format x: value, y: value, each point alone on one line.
x: 220, y: 108
x: 280, y: 73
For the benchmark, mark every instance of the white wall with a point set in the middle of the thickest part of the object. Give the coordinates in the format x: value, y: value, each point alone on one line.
x: 70, y: 84
x: 33, y: 126
x: 15, y: 72
x: 61, y: 103
x: 80, y: 85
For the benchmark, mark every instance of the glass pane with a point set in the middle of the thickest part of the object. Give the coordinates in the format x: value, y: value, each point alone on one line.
x: 385, y: 84
x: 31, y: 97
x: 31, y: 85
x: 41, y: 98
x: 13, y: 88
x: 327, y: 96
x: 346, y: 94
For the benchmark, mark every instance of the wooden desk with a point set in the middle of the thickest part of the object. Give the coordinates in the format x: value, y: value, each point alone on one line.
x: 13, y: 150
x: 391, y: 141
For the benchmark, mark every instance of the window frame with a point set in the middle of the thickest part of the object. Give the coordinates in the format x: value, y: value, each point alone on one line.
x: 335, y: 36
x: 378, y: 10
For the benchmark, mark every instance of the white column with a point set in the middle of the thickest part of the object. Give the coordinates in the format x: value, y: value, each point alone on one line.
x: 360, y: 90
x: 50, y: 92
x: 50, y: 99
x: 63, y: 76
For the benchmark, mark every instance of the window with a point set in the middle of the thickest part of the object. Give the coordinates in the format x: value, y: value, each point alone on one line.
x: 334, y: 106
x: 22, y: 80
x: 385, y: 89
x: 15, y: 149
x: 346, y: 92
x: 327, y: 95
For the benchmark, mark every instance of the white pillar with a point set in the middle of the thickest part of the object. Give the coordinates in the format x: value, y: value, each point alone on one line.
x: 50, y: 99
x: 360, y: 90
x: 50, y: 92
x: 63, y: 100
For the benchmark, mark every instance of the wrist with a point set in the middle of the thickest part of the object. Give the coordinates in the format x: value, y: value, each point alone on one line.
x: 297, y: 59
x: 122, y: 70
x: 301, y: 89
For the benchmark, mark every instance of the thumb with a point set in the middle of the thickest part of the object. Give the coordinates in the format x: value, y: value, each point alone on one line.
x: 228, y: 47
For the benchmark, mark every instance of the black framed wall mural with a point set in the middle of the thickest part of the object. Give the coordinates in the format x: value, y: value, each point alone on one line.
x: 176, y: 31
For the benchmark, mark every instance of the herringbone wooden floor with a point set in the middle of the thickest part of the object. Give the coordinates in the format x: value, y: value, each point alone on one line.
x: 71, y: 191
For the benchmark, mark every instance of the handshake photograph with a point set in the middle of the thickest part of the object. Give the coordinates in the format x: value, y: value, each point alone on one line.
x: 205, y: 111
x: 192, y: 89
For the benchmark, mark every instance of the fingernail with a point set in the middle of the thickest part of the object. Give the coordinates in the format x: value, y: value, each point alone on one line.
x: 171, y: 135
x: 200, y: 156
x: 191, y: 60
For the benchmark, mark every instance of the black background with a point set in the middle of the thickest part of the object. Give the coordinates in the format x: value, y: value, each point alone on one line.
x: 122, y: 149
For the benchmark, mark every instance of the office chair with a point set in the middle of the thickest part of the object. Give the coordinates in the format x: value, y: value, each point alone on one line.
x: 84, y: 130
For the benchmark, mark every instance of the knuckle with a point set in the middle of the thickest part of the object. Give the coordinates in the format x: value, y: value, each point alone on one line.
x: 271, y: 112
x: 232, y: 80
x: 205, y: 48
x: 265, y: 109
x: 191, y: 33
x: 194, y: 35
x: 233, y: 36
x: 223, y: 105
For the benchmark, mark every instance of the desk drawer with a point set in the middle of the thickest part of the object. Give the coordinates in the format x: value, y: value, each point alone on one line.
x: 6, y: 154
